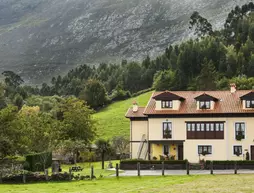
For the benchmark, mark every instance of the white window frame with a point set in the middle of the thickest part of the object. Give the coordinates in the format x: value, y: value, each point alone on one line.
x: 208, y: 155
x: 245, y: 132
x: 233, y: 150
x: 163, y: 130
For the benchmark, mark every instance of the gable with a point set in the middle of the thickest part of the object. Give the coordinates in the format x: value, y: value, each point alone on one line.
x: 167, y: 96
x: 205, y: 97
x: 249, y: 96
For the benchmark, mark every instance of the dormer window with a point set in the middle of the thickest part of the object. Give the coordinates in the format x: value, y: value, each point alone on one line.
x: 249, y: 103
x: 166, y: 104
x: 248, y: 100
x: 205, y: 101
x: 204, y: 104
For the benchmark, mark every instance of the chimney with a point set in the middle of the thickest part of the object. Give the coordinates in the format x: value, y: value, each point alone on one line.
x: 135, y: 107
x: 232, y: 88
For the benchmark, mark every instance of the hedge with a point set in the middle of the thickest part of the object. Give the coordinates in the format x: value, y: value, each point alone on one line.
x: 35, y: 161
x: 135, y: 161
x: 231, y: 162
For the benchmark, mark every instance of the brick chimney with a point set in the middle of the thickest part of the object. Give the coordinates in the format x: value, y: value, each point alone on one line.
x: 232, y: 88
x: 135, y: 106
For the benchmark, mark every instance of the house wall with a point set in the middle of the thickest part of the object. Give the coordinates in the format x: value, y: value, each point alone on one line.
x: 157, y: 150
x: 221, y: 149
x: 138, y: 129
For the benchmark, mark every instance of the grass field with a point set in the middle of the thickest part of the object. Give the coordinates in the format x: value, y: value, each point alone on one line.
x: 111, y: 120
x: 170, y: 184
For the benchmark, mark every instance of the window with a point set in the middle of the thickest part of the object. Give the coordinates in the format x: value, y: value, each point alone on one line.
x: 167, y: 130
x: 204, y: 149
x: 237, y: 150
x: 166, y: 104
x: 240, y: 131
x: 205, y: 130
x: 204, y: 104
x: 249, y: 104
x: 165, y: 149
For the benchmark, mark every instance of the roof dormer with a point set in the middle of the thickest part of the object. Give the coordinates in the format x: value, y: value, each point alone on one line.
x: 168, y: 101
x: 248, y: 101
x: 205, y: 102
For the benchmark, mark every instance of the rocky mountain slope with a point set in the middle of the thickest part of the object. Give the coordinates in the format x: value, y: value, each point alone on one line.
x: 42, y: 38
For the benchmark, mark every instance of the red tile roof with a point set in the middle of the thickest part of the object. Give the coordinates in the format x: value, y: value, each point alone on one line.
x: 139, y: 113
x: 227, y: 103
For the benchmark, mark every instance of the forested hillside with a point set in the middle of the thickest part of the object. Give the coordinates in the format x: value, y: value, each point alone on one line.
x: 210, y: 61
x: 45, y: 38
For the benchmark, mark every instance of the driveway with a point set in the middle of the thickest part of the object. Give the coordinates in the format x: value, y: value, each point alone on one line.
x: 180, y: 172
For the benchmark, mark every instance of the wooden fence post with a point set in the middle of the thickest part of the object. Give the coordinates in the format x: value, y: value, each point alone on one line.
x: 117, y: 170
x: 211, y: 167
x: 138, y: 167
x: 163, y: 168
x: 46, y: 174
x: 187, y: 168
x: 92, y: 172
x: 235, y: 167
x: 70, y: 174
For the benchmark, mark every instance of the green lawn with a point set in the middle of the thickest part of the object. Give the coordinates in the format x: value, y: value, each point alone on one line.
x: 111, y: 120
x: 172, y: 184
x: 97, y: 168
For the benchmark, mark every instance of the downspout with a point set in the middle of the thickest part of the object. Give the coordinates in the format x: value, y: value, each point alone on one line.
x: 148, y: 143
x: 131, y: 139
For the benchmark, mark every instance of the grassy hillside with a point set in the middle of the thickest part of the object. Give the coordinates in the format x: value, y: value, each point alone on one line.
x: 112, y: 121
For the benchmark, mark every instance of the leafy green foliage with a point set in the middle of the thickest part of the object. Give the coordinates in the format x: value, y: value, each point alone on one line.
x: 36, y: 163
x: 94, y: 93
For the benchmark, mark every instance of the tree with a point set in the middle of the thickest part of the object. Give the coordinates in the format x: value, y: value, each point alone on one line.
x: 202, y: 26
x: 12, y: 79
x: 164, y: 80
x: 2, y: 98
x: 206, y: 79
x: 18, y: 101
x: 10, y: 135
x: 94, y: 93
x: 120, y: 144
x: 103, y: 147
x: 78, y: 125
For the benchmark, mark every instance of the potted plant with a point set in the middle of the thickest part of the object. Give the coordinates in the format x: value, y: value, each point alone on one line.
x: 239, y: 136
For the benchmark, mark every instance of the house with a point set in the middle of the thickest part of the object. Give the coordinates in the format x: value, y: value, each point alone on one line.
x: 194, y: 125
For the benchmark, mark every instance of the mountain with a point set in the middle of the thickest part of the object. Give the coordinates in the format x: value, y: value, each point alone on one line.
x: 43, y: 38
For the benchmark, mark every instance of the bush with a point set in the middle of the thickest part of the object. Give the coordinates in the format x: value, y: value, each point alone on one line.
x: 135, y: 161
x: 120, y: 94
x: 231, y: 162
x: 141, y: 92
x: 61, y: 177
x: 35, y: 162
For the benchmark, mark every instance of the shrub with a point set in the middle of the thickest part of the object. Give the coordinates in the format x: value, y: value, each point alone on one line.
x: 142, y: 92
x: 231, y: 162
x: 35, y: 162
x: 135, y: 161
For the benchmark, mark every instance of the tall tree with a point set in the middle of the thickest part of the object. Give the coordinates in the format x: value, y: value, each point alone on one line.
x: 201, y: 24
x: 206, y: 79
x: 94, y: 93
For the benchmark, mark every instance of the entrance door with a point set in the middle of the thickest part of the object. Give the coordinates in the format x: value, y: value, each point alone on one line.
x: 252, y: 152
x: 180, y: 152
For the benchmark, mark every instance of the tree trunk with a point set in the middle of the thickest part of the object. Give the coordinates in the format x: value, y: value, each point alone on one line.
x: 102, y: 160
